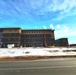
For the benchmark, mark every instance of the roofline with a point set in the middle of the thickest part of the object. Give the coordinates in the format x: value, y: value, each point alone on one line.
x: 37, y: 29
x: 61, y: 38
x: 28, y: 29
x: 11, y: 28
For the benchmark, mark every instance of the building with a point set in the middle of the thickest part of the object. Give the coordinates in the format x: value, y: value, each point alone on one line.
x: 72, y: 45
x: 40, y: 37
x: 10, y: 36
x: 26, y: 38
x: 62, y: 42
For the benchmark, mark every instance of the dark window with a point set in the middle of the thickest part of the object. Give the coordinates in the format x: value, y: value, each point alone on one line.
x: 1, y: 35
x: 9, y: 29
x: 1, y: 30
x: 0, y: 40
x: 9, y: 39
x: 15, y: 29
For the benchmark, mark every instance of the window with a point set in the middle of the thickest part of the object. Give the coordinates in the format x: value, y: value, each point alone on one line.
x: 9, y: 39
x: 32, y: 31
x: 9, y: 29
x: 0, y: 40
x: 24, y: 40
x: 1, y: 30
x: 9, y: 34
x: 25, y: 31
x: 1, y: 34
x: 15, y: 29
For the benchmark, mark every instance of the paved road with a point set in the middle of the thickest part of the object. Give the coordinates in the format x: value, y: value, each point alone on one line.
x: 47, y: 67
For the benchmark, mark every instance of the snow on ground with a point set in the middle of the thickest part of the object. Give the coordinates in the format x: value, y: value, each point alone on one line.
x: 39, y: 51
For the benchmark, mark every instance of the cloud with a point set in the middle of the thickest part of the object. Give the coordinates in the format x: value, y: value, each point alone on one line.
x: 58, y: 26
x: 65, y: 32
x: 44, y: 27
x: 51, y: 26
x: 66, y: 8
x: 37, y: 8
x: 58, y: 5
x: 72, y: 41
x: 62, y: 32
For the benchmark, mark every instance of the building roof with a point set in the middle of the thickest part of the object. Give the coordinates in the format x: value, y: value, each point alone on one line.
x: 61, y: 38
x: 11, y: 28
x: 37, y: 29
x: 28, y: 29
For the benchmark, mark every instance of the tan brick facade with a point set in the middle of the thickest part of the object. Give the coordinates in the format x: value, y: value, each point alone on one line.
x: 29, y: 38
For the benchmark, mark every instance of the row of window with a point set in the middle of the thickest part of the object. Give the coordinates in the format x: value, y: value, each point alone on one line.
x: 13, y: 29
x: 32, y: 44
x: 37, y: 44
x: 10, y: 40
x: 24, y: 36
x: 32, y: 40
x: 32, y: 36
x: 11, y: 35
x: 9, y: 30
x: 37, y: 31
x: 36, y: 40
x: 35, y: 35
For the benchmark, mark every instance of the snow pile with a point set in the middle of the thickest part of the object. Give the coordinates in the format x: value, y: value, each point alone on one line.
x: 13, y: 52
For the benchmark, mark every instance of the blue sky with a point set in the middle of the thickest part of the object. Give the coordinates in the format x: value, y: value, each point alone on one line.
x: 41, y: 14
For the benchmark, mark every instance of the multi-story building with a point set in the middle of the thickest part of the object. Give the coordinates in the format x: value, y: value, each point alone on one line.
x: 37, y: 37
x: 62, y: 42
x: 28, y: 38
x: 10, y: 36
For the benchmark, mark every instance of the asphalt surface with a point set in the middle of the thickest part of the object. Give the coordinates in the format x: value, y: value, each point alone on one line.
x: 39, y: 67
